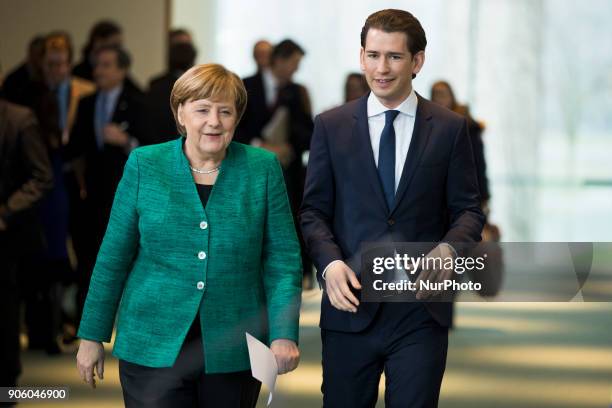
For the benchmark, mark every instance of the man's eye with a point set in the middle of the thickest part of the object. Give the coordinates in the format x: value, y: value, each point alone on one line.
x: 395, y: 57
x: 372, y: 55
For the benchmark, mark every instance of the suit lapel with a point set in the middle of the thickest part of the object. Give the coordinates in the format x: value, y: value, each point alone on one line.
x: 119, y: 115
x: 420, y: 135
x: 361, y: 132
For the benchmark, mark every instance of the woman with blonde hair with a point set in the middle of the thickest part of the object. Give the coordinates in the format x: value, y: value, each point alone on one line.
x: 200, y: 249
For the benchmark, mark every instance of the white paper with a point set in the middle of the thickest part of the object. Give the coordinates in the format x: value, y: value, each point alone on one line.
x: 263, y: 363
x: 277, y: 129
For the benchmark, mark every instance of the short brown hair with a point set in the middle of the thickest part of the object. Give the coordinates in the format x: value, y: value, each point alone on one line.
x: 58, y: 41
x: 208, y: 81
x: 392, y: 21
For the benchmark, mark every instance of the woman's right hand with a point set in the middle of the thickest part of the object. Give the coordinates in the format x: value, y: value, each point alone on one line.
x: 90, y: 355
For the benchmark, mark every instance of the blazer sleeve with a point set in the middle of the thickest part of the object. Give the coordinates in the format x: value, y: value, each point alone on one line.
x: 282, y: 266
x: 115, y: 258
x: 463, y: 197
x: 317, y: 208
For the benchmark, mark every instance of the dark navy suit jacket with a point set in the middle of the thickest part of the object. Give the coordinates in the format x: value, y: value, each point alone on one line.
x: 437, y: 199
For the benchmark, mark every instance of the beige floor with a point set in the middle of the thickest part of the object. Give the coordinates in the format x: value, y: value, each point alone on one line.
x: 545, y: 355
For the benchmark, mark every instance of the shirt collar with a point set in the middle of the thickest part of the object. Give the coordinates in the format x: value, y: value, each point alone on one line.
x: 114, y: 93
x: 407, y: 107
x: 269, y: 81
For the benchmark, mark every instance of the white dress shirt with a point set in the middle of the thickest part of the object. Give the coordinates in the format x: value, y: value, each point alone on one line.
x: 270, y: 87
x: 403, y: 125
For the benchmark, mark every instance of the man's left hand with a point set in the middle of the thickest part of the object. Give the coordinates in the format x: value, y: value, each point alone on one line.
x: 435, y: 274
x: 287, y: 355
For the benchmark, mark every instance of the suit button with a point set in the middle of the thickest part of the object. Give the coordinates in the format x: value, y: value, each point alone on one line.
x: 200, y: 285
x: 202, y: 255
x: 203, y: 225
x: 391, y: 221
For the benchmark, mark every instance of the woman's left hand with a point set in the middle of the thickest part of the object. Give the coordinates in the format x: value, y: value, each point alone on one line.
x: 287, y: 355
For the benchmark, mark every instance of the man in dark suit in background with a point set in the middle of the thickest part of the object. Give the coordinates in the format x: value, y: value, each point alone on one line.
x: 103, y: 34
x: 181, y: 57
x: 109, y: 124
x: 388, y: 167
x: 271, y: 93
x: 25, y: 177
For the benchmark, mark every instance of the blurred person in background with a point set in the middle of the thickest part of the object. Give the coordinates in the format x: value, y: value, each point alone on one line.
x: 103, y: 34
x: 442, y: 94
x: 20, y: 85
x: 109, y: 124
x: 46, y: 274
x: 492, y: 276
x: 355, y: 86
x: 25, y: 177
x: 181, y: 57
x: 278, y: 117
x: 200, y: 249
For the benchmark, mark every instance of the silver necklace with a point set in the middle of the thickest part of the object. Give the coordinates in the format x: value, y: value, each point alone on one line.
x: 200, y: 171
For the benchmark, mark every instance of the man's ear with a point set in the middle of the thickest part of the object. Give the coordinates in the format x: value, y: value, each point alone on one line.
x: 362, y: 59
x: 419, y: 60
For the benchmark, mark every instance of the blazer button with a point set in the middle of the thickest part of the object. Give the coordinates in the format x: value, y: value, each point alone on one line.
x: 202, y: 255
x: 200, y: 285
x: 391, y: 221
x: 203, y: 225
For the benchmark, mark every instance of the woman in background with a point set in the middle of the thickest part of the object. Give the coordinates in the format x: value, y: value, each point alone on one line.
x: 442, y: 93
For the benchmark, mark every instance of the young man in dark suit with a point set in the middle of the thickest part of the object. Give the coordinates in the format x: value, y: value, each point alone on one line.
x: 109, y: 124
x: 388, y: 167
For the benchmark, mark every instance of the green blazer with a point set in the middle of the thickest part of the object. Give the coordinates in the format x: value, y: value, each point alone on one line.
x: 164, y: 257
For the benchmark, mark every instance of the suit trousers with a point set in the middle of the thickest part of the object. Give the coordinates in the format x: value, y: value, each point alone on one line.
x: 404, y: 341
x: 185, y: 384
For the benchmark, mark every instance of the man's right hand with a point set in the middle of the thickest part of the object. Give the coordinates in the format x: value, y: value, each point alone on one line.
x: 337, y: 279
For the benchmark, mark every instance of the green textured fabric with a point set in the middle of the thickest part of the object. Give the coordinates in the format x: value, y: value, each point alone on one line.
x: 148, y: 266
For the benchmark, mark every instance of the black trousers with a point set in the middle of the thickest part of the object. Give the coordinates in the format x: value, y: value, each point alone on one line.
x: 10, y: 362
x: 404, y: 341
x: 40, y: 284
x: 185, y: 384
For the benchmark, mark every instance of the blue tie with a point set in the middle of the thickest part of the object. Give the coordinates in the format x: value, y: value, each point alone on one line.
x: 386, y: 158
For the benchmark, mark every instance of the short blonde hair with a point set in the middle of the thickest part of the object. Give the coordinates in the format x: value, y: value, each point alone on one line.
x: 208, y: 81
